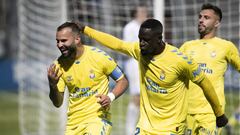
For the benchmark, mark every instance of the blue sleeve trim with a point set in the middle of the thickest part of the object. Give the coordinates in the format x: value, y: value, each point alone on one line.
x: 116, y: 73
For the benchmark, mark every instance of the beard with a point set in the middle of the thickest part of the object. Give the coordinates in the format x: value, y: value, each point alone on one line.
x: 69, y: 51
x: 204, y: 30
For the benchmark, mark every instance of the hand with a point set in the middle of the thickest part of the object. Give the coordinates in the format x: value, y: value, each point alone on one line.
x: 80, y: 25
x: 103, y: 100
x: 221, y: 121
x: 53, y: 76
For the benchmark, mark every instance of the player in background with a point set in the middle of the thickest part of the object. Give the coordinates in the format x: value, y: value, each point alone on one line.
x: 85, y: 72
x: 164, y: 76
x: 130, y: 33
x: 212, y: 54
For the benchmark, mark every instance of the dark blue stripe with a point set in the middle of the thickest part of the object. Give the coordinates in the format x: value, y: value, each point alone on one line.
x: 116, y: 73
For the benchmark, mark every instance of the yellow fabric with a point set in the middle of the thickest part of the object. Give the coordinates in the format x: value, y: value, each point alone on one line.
x: 84, y: 78
x: 93, y: 128
x: 163, y: 83
x: 211, y: 95
x: 201, y: 124
x: 212, y: 55
x: 181, y: 131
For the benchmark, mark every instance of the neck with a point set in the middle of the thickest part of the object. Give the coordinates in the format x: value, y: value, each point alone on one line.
x: 208, y: 36
x: 80, y: 51
x: 161, y: 49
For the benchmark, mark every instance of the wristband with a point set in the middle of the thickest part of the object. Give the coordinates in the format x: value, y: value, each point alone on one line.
x: 111, y: 96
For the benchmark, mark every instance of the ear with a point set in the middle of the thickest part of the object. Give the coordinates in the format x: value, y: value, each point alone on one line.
x: 77, y: 40
x: 217, y: 23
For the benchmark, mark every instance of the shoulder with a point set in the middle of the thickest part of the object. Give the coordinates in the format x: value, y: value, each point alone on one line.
x: 98, y: 54
x: 226, y: 44
x: 178, y: 56
x: 190, y: 42
x: 224, y: 41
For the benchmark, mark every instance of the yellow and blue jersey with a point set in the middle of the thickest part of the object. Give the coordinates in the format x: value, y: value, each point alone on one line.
x: 212, y: 55
x: 84, y: 78
x: 163, y: 84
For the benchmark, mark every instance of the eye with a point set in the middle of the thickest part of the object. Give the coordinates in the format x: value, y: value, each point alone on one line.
x: 199, y: 17
x: 206, y: 17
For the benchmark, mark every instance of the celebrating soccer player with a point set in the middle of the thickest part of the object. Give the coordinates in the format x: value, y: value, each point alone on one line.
x: 85, y: 71
x: 212, y: 54
x: 164, y: 77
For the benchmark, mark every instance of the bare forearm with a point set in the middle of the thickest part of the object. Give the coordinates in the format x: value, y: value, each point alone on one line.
x: 56, y: 96
x: 120, y: 87
x: 211, y: 96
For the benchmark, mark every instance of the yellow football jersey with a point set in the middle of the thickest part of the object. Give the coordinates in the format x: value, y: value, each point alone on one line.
x: 163, y: 83
x: 85, y: 77
x: 212, y: 55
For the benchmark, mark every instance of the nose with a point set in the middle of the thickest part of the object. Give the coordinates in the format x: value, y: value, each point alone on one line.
x: 200, y: 20
x: 142, y: 42
x: 59, y: 45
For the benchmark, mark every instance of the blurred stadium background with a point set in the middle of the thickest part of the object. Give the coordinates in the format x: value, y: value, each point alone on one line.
x: 27, y: 47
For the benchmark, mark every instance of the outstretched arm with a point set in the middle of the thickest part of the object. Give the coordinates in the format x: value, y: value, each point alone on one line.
x: 53, y: 78
x: 114, y: 43
x: 212, y: 98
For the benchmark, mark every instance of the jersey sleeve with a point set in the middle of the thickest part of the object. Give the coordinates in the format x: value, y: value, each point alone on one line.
x: 193, y: 70
x: 110, y: 67
x: 129, y: 48
x: 233, y: 56
x: 117, y: 74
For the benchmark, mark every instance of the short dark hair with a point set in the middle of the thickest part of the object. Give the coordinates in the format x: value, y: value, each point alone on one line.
x: 153, y: 24
x: 216, y: 9
x: 73, y: 26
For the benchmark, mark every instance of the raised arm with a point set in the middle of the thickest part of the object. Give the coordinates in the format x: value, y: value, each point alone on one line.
x: 53, y: 79
x: 129, y: 48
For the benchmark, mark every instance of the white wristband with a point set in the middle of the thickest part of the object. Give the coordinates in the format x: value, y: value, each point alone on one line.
x: 111, y: 96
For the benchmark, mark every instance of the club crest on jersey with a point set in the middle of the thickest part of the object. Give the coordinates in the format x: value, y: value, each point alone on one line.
x: 92, y: 75
x: 69, y: 78
x: 162, y: 75
x: 213, y: 54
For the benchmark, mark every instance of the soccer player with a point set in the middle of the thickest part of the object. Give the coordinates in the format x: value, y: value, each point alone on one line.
x: 130, y: 33
x: 85, y: 71
x: 212, y: 54
x: 164, y: 78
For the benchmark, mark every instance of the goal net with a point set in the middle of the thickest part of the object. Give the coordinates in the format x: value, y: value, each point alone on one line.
x: 38, y: 21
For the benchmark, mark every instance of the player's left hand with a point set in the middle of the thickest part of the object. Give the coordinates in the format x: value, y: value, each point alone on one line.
x: 221, y: 121
x: 103, y: 100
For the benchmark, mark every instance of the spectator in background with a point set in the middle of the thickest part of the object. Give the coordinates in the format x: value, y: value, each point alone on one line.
x: 130, y: 33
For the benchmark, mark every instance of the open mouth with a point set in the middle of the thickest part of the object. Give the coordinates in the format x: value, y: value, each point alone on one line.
x: 64, y: 51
